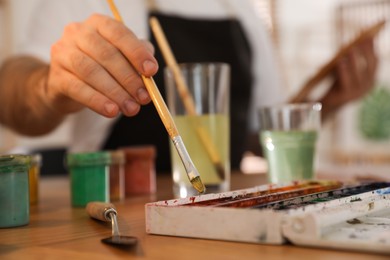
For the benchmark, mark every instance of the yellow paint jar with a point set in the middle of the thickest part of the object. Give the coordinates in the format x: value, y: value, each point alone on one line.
x: 117, y: 175
x: 34, y: 176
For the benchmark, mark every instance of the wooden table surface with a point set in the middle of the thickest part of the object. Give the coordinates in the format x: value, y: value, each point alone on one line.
x: 58, y: 231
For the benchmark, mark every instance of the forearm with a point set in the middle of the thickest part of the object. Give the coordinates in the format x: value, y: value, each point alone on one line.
x: 24, y: 106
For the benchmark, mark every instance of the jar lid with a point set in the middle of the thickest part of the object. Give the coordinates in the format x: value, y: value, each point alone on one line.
x: 36, y: 159
x: 139, y: 152
x: 88, y: 159
x: 12, y: 162
x: 117, y: 157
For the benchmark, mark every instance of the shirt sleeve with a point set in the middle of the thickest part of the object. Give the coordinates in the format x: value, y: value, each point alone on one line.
x: 48, y: 20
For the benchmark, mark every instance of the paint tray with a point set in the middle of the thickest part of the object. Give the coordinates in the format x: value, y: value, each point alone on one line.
x: 329, y: 214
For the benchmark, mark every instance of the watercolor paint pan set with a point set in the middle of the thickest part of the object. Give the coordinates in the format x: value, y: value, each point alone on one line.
x: 327, y: 214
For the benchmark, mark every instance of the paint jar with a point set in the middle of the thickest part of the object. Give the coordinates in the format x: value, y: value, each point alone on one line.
x: 89, y: 177
x: 34, y: 175
x: 117, y: 175
x: 14, y: 190
x: 140, y: 170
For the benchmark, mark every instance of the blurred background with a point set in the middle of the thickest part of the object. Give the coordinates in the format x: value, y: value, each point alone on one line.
x: 306, y: 34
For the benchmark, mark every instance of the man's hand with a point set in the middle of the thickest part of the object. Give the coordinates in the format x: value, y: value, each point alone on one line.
x: 97, y: 64
x: 354, y: 76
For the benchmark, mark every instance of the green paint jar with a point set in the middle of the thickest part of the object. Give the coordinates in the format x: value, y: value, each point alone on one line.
x: 89, y: 173
x: 14, y: 190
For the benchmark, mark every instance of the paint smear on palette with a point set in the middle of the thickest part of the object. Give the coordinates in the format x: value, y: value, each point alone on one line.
x: 326, y: 196
x: 295, y: 196
x: 271, y: 195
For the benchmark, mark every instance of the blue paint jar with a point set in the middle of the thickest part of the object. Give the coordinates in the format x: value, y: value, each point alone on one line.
x: 14, y: 190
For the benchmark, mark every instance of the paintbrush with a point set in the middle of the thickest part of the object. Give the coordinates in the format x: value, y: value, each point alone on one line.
x: 186, y: 96
x: 165, y: 115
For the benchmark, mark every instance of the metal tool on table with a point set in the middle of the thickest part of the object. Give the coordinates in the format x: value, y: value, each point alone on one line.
x: 106, y: 212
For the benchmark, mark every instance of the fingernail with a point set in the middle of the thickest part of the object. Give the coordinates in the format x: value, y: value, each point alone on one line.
x: 149, y: 66
x: 131, y: 107
x: 143, y: 95
x: 110, y: 108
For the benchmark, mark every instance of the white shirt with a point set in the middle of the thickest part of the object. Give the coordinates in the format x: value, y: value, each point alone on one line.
x: 89, y: 128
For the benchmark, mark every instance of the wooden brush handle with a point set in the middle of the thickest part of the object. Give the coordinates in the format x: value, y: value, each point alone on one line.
x: 172, y: 64
x: 100, y: 210
x: 161, y: 107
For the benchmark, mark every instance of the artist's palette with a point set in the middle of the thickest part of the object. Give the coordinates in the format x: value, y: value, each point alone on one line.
x: 353, y: 216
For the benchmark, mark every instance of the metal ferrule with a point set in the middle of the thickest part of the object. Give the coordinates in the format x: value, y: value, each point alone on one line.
x: 107, y: 213
x: 185, y: 157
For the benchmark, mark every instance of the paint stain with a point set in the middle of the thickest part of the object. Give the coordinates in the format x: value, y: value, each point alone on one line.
x: 355, y: 199
x: 325, y: 196
x: 262, y: 237
x: 296, y: 195
x: 273, y: 193
x: 353, y: 236
x: 354, y: 221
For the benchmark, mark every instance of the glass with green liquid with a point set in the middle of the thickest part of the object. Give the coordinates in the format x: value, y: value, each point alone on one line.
x: 205, y: 130
x: 288, y: 137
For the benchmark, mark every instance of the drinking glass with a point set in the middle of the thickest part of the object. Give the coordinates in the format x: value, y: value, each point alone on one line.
x: 288, y: 135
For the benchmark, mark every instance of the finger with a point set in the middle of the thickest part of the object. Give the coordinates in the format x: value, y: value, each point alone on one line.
x: 95, y: 75
x: 364, y: 68
x: 360, y: 72
x: 369, y: 53
x: 126, y: 41
x: 343, y: 74
x: 148, y: 45
x: 71, y: 59
x: 358, y: 67
x: 113, y: 61
x: 84, y: 94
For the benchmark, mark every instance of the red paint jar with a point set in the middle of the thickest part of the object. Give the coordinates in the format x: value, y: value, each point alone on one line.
x: 140, y: 171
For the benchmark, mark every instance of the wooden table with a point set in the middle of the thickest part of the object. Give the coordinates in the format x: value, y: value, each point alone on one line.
x: 58, y: 231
